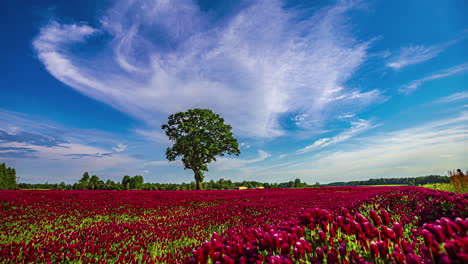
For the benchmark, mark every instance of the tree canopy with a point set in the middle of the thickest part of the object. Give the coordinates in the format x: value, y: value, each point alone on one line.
x: 199, y: 135
x: 7, y: 177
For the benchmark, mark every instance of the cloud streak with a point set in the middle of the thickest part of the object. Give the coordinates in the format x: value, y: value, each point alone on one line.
x: 401, y: 153
x: 416, y: 54
x: 412, y: 86
x: 249, y: 73
x: 357, y: 127
x: 50, y: 157
x: 224, y: 164
x: 453, y: 98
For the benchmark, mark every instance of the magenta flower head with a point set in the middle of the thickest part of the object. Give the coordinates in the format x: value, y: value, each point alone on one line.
x: 463, y: 225
x: 332, y: 257
x: 446, y: 227
x: 319, y: 252
x: 383, y: 248
x: 439, y: 234
x: 339, y: 220
x: 322, y: 237
x: 242, y: 260
x: 342, y: 250
x: 398, y: 229
x: 427, y: 238
x: 285, y: 248
x: 451, y: 249
x: 375, y: 218
x: 385, y: 217
x: 374, y: 249
x: 445, y: 260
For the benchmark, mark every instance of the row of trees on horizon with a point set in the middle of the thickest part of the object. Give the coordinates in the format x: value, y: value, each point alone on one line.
x: 93, y: 182
x: 8, y: 180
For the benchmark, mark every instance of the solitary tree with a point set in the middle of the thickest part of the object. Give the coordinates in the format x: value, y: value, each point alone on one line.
x: 199, y: 135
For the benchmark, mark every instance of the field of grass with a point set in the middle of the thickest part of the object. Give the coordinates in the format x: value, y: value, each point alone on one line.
x: 448, y: 187
x: 317, y: 225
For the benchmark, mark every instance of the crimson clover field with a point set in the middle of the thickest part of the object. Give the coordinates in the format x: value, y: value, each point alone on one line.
x: 318, y: 225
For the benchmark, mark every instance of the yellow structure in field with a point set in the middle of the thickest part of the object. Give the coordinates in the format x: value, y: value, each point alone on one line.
x: 239, y: 188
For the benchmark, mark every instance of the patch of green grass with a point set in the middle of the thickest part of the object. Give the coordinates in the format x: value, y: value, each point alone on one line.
x: 448, y: 187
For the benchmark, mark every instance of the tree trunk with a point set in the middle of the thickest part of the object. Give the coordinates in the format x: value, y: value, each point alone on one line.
x: 198, y: 180
x: 199, y: 185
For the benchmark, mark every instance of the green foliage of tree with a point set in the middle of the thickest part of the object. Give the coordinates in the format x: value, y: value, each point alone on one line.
x: 7, y: 178
x: 133, y: 183
x: 83, y: 183
x: 199, y: 135
x: 136, y: 182
x: 126, y: 182
x: 94, y: 183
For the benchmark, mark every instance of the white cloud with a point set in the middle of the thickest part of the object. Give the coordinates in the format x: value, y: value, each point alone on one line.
x: 410, y: 87
x: 244, y: 145
x: 346, y: 116
x: 415, y: 54
x: 453, y: 97
x: 418, y: 151
x: 249, y: 73
x: 223, y: 163
x: 446, y: 156
x: 56, y: 153
x: 163, y: 163
x: 120, y: 148
x: 356, y: 128
x: 155, y: 135
x: 67, y: 161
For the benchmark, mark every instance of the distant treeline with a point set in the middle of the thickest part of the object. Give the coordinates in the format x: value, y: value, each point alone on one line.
x: 415, y: 181
x: 137, y: 183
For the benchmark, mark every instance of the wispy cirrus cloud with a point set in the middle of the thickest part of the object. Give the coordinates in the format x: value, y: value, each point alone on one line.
x: 53, y: 152
x: 412, y: 86
x: 415, y: 54
x: 356, y: 128
x: 453, y: 98
x: 163, y: 163
x: 94, y: 155
x: 120, y: 148
x: 407, y: 152
x: 249, y: 73
x: 17, y: 152
x: 31, y: 138
x: 223, y: 163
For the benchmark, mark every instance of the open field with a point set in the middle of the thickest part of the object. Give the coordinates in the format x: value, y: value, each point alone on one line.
x: 448, y: 187
x: 319, y: 225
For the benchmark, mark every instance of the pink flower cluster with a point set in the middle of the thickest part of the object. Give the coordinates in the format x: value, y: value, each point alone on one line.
x: 332, y: 225
x: 357, y: 235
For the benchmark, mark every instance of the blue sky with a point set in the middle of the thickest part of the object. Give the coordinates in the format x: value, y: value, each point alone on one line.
x: 319, y: 90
